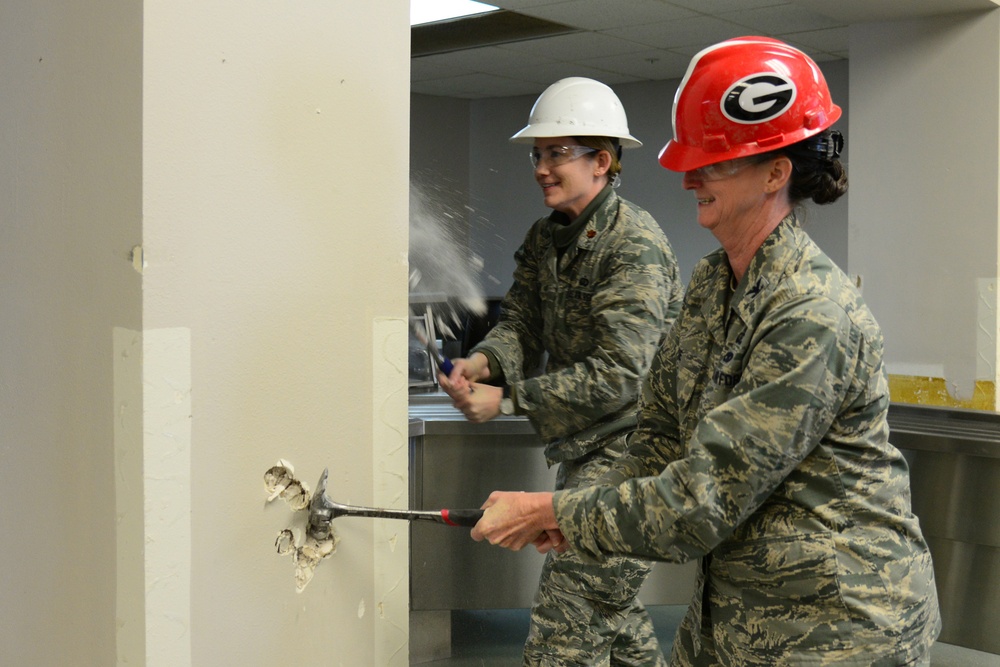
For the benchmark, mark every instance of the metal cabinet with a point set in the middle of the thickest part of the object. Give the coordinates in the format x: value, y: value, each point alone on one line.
x: 954, y: 458
x: 457, y: 464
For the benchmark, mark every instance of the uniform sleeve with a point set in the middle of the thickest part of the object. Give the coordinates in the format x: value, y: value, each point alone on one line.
x: 515, y: 341
x: 655, y: 442
x: 631, y: 309
x: 798, y: 372
x: 636, y: 300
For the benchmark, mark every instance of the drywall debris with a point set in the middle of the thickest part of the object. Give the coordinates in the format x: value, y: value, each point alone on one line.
x: 308, y: 556
x: 280, y: 482
x: 285, y: 543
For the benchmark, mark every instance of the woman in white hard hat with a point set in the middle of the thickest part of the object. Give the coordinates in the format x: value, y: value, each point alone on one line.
x: 763, y: 444
x: 596, y: 287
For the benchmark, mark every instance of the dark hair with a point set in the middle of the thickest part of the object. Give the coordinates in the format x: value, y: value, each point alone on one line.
x: 817, y: 172
x: 609, y: 144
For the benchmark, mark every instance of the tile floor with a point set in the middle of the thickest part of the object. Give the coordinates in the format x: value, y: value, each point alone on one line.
x: 493, y: 638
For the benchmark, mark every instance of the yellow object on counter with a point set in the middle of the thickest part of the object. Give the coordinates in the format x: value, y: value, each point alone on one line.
x: 934, y: 392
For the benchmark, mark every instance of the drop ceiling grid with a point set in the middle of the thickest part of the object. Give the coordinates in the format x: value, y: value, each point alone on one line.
x: 622, y: 41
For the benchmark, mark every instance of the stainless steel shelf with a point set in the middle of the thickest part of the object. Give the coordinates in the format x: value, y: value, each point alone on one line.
x: 965, y: 432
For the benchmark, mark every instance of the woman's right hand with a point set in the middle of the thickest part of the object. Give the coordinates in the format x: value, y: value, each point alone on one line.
x: 513, y: 520
x: 464, y: 372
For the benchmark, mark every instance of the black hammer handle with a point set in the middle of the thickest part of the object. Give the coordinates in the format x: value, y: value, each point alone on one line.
x: 466, y: 518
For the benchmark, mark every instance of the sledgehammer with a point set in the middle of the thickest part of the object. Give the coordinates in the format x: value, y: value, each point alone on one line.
x: 322, y: 511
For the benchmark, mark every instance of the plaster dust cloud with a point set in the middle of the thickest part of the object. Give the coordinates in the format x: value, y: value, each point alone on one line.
x: 443, y: 270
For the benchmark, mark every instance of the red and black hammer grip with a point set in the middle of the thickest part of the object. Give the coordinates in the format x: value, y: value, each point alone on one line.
x: 468, y: 518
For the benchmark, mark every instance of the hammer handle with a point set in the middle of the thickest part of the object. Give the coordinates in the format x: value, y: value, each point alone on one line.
x: 450, y: 517
x: 466, y: 518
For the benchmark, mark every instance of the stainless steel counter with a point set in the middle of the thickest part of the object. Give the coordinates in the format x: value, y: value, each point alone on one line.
x: 454, y: 463
x: 457, y: 464
x: 954, y: 458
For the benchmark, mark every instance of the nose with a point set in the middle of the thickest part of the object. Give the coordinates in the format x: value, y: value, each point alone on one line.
x: 692, y: 180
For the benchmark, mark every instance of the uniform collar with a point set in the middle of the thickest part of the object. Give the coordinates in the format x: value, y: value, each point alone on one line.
x: 564, y: 231
x: 779, y: 248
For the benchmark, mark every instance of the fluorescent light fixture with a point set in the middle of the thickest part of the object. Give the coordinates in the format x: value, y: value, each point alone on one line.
x: 430, y: 11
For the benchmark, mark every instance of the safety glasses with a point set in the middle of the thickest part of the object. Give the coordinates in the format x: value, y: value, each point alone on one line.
x: 553, y: 156
x: 724, y: 169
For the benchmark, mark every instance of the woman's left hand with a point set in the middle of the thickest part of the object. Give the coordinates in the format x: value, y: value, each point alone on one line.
x: 551, y: 540
x: 479, y: 403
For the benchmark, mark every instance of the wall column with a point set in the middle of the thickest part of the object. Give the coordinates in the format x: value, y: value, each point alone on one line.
x: 924, y: 214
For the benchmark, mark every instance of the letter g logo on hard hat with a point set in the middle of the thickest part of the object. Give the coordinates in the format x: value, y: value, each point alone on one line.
x: 758, y: 98
x: 746, y: 96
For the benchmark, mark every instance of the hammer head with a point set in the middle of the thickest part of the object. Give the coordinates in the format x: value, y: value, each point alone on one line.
x: 321, y: 510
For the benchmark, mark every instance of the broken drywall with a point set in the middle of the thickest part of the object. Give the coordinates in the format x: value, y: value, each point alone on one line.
x: 280, y: 482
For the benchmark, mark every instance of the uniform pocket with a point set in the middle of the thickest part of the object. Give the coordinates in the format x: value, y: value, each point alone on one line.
x: 577, y: 315
x: 785, y: 597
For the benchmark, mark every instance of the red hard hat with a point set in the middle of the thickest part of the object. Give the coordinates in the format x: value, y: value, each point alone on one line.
x: 745, y: 96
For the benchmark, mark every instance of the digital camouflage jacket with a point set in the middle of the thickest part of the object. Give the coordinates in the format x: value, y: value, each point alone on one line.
x: 599, y: 310
x: 763, y: 449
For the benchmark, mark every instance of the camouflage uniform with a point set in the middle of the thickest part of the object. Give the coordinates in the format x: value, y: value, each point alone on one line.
x: 764, y: 417
x: 599, y: 309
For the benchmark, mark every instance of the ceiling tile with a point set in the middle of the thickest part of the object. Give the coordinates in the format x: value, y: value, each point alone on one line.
x: 831, y: 39
x: 575, y: 46
x: 601, y: 14
x: 548, y: 74
x: 780, y: 19
x: 497, y: 60
x: 864, y: 11
x: 699, y: 31
x: 620, y: 41
x: 651, y: 65
x: 520, y: 5
x: 715, y: 7
x: 476, y: 86
x: 440, y: 67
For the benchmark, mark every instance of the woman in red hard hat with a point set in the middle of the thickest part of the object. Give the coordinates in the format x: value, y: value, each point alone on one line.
x: 763, y: 445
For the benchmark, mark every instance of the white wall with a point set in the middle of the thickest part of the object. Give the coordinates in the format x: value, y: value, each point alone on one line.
x: 275, y: 180
x: 258, y: 153
x: 924, y: 211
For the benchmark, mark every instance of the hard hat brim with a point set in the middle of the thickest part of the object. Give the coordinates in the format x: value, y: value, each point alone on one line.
x: 529, y: 133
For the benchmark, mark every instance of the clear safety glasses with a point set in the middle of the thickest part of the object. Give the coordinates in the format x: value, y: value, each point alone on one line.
x: 724, y: 169
x: 553, y: 156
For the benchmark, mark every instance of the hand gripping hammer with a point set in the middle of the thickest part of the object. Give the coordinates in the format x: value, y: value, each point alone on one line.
x: 322, y: 511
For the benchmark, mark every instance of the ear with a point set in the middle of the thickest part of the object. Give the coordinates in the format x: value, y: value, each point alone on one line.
x: 779, y: 174
x: 602, y: 162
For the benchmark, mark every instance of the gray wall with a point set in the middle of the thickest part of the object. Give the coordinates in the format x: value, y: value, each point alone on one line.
x: 70, y: 212
x: 505, y: 200
x: 925, y: 233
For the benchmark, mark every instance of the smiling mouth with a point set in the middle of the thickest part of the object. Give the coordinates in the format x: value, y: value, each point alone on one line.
x: 706, y: 200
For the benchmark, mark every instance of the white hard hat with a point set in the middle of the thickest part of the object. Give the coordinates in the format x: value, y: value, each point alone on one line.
x: 577, y: 107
